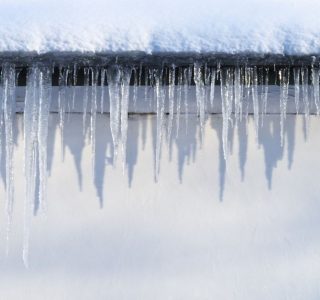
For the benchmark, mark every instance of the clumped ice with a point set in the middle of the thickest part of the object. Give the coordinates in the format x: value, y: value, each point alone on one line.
x: 243, y: 90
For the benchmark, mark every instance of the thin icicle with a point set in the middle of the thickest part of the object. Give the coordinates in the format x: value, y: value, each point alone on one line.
x: 255, y: 99
x: 160, y: 97
x: 315, y: 88
x: 125, y: 84
x: 171, y: 96
x: 264, y: 94
x: 114, y: 80
x: 237, y: 94
x: 284, y: 89
x: 296, y: 75
x: 305, y: 95
x: 62, y: 99
x: 179, y: 99
x: 186, y: 93
x: 85, y: 98
x: 9, y: 82
x: 93, y: 117
x: 75, y: 76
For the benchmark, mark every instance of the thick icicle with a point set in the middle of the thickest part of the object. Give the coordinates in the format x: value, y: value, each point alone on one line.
x: 226, y: 77
x: 296, y: 76
x: 125, y: 83
x: 36, y: 120
x: 237, y: 94
x: 212, y: 86
x: 284, y: 89
x: 200, y: 94
x: 102, y: 89
x: 9, y: 81
x: 114, y: 80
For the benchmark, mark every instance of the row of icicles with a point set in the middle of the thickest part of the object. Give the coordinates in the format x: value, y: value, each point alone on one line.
x: 237, y: 84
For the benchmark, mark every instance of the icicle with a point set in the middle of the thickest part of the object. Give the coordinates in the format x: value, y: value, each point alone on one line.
x: 305, y: 94
x: 75, y: 76
x: 171, y: 96
x: 114, y: 77
x: 102, y: 88
x: 264, y: 94
x: 85, y: 98
x: 315, y: 87
x: 63, y: 80
x: 200, y: 95
x: 125, y: 83
x: 255, y: 99
x: 36, y: 120
x: 186, y: 92
x: 212, y: 87
x: 284, y: 89
x: 247, y: 81
x: 93, y: 117
x: 296, y: 75
x: 237, y: 94
x: 226, y: 78
x: 135, y: 88
x: 179, y: 99
x: 8, y: 82
x: 160, y: 97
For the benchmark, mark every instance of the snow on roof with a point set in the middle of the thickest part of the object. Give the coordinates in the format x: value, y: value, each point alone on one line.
x: 205, y: 26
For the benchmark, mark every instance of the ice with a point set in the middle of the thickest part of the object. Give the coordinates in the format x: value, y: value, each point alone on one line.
x: 200, y: 94
x: 93, y: 116
x: 265, y: 91
x: 284, y: 90
x: 114, y: 84
x: 315, y: 85
x: 85, y: 97
x: 160, y: 98
x: 62, y: 101
x: 189, y: 89
x: 237, y: 94
x: 296, y: 75
x: 36, y: 121
x: 125, y: 83
x: 226, y: 76
x: 255, y: 98
x: 171, y: 96
x: 8, y: 107
x: 305, y: 94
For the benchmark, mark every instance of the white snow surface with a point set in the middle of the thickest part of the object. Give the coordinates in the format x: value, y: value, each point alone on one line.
x: 230, y: 26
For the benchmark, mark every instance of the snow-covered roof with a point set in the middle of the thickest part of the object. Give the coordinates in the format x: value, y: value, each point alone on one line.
x: 289, y: 27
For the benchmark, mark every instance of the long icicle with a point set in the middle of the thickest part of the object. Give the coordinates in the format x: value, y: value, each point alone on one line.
x: 9, y: 82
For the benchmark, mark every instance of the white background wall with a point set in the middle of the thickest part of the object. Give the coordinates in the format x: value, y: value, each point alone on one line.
x: 201, y: 232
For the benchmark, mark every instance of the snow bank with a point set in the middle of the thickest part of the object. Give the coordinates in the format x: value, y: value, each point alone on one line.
x: 279, y: 27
